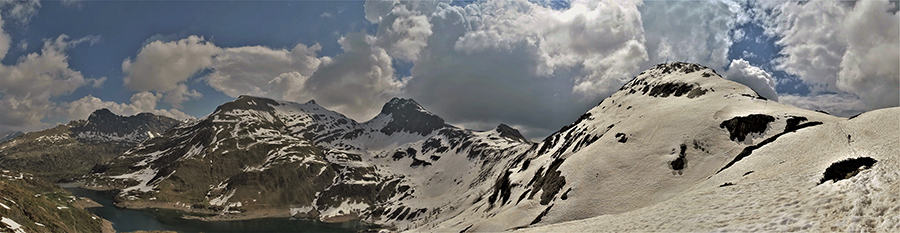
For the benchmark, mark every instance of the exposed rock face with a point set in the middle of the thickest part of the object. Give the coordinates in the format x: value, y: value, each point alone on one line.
x: 740, y: 127
x: 71, y: 150
x: 510, y: 132
x: 104, y: 126
x: 256, y: 154
x: 847, y: 168
x: 408, y: 116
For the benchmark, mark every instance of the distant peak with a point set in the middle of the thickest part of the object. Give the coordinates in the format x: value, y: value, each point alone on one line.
x: 312, y: 102
x: 510, y: 132
x: 101, y: 113
x: 408, y: 116
x: 248, y: 102
x: 402, y: 105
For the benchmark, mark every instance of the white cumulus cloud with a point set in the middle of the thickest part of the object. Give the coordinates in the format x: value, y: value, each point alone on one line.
x: 491, y: 57
x: 839, y: 47
x: 754, y: 77
x: 358, y: 81
x: 262, y: 71
x: 692, y: 31
x: 165, y: 67
x: 355, y: 82
x: 28, y: 86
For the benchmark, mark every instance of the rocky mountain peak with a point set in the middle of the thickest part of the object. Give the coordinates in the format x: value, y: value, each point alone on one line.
x: 101, y: 115
x: 103, y: 124
x: 510, y: 132
x: 248, y: 102
x: 401, y: 105
x: 679, y: 79
x: 408, y: 116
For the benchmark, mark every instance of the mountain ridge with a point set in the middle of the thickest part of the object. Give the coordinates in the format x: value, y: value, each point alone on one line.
x: 70, y: 150
x: 357, y: 170
x: 664, y: 132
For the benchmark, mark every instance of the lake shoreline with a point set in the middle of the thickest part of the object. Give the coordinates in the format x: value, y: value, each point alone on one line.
x: 187, y: 212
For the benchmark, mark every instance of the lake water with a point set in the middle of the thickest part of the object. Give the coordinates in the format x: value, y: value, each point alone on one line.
x: 126, y: 220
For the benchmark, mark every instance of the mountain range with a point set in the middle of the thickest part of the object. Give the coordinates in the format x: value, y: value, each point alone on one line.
x: 69, y: 151
x: 677, y: 148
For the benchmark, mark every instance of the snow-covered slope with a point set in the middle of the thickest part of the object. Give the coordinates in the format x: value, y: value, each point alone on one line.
x: 671, y: 128
x: 255, y: 156
x: 779, y: 187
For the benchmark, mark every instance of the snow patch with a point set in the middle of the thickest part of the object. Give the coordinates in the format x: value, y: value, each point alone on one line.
x: 53, y: 138
x: 221, y: 200
x: 194, y: 151
x: 143, y: 176
x: 301, y: 210
x: 152, y: 157
x: 346, y: 207
x: 13, y: 225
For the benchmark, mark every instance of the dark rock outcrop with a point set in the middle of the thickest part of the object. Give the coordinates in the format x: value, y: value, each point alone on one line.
x: 740, y: 127
x: 847, y: 168
x: 408, y: 116
x: 510, y: 132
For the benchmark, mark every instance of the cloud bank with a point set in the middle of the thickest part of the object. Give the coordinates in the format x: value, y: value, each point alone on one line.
x: 535, y: 65
x: 839, y: 47
x: 751, y: 76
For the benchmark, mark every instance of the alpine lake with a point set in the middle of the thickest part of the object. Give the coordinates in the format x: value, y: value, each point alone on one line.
x: 128, y: 220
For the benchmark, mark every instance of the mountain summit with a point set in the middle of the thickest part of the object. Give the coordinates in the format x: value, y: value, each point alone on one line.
x: 405, y: 115
x: 675, y: 134
x: 104, y: 125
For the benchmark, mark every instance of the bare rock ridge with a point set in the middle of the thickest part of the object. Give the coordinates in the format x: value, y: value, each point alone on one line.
x: 71, y: 150
x: 408, y: 116
x: 103, y: 125
x: 510, y: 132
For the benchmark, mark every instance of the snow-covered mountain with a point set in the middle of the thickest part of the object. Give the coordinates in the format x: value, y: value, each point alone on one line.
x: 679, y: 148
x: 257, y: 157
x: 660, y: 146
x: 71, y: 150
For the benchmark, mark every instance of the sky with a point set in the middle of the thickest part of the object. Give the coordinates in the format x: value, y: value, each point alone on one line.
x: 535, y: 65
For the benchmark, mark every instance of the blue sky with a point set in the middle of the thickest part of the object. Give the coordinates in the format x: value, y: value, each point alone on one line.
x: 534, y: 65
x: 125, y: 26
